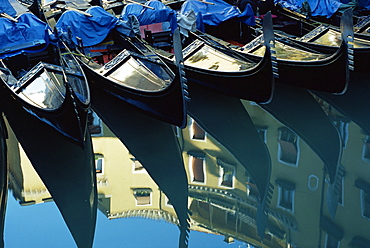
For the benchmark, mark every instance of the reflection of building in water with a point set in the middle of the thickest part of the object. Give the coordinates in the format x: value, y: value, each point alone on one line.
x: 125, y: 189
x: 301, y: 183
x: 222, y: 194
x: 24, y: 182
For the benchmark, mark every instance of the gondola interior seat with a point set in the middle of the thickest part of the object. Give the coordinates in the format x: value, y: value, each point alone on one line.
x: 162, y: 40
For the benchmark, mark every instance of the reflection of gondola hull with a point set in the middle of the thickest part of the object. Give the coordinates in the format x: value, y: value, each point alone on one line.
x: 355, y: 103
x: 154, y: 144
x: 226, y: 120
x: 3, y: 177
x: 67, y: 170
x: 299, y: 111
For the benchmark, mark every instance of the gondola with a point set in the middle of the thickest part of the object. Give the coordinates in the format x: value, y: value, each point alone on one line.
x: 207, y: 65
x: 361, y: 21
x: 325, y: 39
x: 296, y: 67
x: 119, y: 62
x: 42, y: 76
x: 66, y: 168
x: 302, y: 23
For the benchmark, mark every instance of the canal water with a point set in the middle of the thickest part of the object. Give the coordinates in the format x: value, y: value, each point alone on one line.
x: 291, y: 173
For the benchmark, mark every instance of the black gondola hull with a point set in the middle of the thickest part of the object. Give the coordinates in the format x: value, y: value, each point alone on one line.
x: 168, y: 105
x: 360, y: 55
x: 313, y: 75
x: 308, y: 74
x: 70, y: 119
x: 256, y: 84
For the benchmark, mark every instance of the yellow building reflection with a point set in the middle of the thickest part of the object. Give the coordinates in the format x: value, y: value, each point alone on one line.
x: 25, y: 183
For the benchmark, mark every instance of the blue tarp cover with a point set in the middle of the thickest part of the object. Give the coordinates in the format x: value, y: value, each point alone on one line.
x: 364, y: 4
x: 91, y: 29
x: 22, y: 36
x: 318, y: 7
x: 6, y: 7
x: 218, y: 12
x: 324, y: 7
x: 160, y: 13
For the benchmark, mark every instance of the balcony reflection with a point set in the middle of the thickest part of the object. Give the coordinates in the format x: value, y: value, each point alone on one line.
x: 225, y: 185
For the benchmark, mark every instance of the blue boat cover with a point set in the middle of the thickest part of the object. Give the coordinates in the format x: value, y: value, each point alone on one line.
x: 6, y: 7
x: 324, y: 8
x: 190, y: 22
x: 160, y: 13
x: 215, y: 12
x: 23, y: 36
x: 364, y: 4
x: 90, y: 29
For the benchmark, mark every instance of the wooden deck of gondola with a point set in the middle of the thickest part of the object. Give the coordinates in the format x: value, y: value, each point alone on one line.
x: 227, y: 74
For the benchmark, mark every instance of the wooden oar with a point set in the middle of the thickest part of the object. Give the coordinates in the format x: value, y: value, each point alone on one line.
x: 206, y: 2
x: 131, y: 1
x: 8, y: 17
